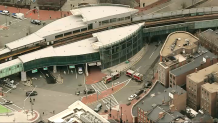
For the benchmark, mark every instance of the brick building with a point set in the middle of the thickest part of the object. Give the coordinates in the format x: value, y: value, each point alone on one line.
x: 194, y: 82
x: 209, y: 99
x: 209, y: 39
x: 176, y: 51
x: 161, y: 107
x: 200, y: 60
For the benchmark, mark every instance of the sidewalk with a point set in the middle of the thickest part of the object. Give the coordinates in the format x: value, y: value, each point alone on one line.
x: 21, y: 116
x: 43, y: 14
x: 124, y: 66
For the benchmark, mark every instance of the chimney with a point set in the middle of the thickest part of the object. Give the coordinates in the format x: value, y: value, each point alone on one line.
x: 172, y: 108
x: 196, y: 70
x: 160, y: 115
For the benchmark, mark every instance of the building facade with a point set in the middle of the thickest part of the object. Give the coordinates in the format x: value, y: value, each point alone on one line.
x: 209, y: 98
x: 194, y: 84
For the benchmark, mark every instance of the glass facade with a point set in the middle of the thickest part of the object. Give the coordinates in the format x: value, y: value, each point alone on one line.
x: 122, y: 50
x: 62, y: 61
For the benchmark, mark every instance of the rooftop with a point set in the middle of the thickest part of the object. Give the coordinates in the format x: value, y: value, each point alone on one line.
x: 24, y: 41
x: 155, y: 97
x: 114, y: 35
x: 197, y: 61
x: 184, y: 37
x: 76, y: 48
x: 200, y: 75
x: 78, y: 112
x: 9, y: 63
x: 211, y: 36
x: 202, y: 118
x: 211, y: 87
x: 62, y: 25
x: 93, y: 13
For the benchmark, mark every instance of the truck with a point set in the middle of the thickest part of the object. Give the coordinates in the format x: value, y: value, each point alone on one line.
x: 111, y: 77
x: 134, y: 75
x: 18, y: 15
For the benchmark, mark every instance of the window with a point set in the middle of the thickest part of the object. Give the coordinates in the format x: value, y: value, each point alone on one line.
x: 68, y: 33
x: 99, y: 23
x: 76, y: 31
x: 18, y: 66
x: 126, y: 18
x: 84, y: 29
x: 59, y: 36
x: 105, y: 22
x: 113, y: 20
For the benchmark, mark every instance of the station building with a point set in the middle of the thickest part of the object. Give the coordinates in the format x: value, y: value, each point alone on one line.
x: 104, y: 49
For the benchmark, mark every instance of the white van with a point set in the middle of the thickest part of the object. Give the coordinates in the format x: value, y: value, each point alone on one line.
x: 80, y: 70
x: 18, y: 15
x: 10, y: 85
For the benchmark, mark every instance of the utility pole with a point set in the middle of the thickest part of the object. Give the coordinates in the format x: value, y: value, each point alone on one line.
x: 121, y: 121
x: 110, y: 108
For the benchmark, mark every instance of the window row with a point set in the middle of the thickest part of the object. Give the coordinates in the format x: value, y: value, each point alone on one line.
x: 69, y: 33
x: 113, y: 20
x: 17, y: 66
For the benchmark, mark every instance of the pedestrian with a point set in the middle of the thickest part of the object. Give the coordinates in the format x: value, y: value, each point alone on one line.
x: 43, y: 113
x: 34, y: 100
x: 68, y: 13
x: 54, y: 112
x: 50, y: 16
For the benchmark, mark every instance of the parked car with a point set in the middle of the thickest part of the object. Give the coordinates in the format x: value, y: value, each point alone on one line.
x: 10, y: 85
x: 90, y: 91
x: 80, y: 70
x: 133, y: 96
x: 34, y: 93
x: 5, y: 12
x: 7, y: 102
x: 38, y: 22
x: 77, y: 92
x: 147, y: 84
x: 18, y: 15
x: 139, y: 92
x: 98, y: 107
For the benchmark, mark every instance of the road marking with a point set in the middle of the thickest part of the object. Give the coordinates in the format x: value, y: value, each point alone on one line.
x: 10, y: 108
x: 138, y: 68
x: 17, y: 106
x: 151, y: 55
x: 159, y: 9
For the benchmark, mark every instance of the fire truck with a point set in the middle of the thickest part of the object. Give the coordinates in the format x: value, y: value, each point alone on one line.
x: 109, y: 78
x: 134, y: 75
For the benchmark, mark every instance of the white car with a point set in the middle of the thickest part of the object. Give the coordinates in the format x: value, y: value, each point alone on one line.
x: 80, y: 70
x: 5, y: 12
x: 133, y: 96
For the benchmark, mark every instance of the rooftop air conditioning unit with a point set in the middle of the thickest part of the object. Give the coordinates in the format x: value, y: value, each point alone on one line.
x: 179, y: 39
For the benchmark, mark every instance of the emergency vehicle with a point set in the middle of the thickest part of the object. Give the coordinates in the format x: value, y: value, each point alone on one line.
x: 113, y: 76
x: 134, y: 75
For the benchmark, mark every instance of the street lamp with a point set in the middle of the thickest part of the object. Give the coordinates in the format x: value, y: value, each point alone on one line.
x: 6, y: 16
x: 110, y: 108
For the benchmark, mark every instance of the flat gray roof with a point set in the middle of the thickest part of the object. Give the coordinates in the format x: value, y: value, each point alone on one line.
x: 198, y: 60
x: 156, y: 96
x: 211, y: 36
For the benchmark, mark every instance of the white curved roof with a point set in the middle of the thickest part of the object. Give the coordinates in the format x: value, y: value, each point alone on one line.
x: 77, y: 48
x: 114, y: 35
x: 62, y: 25
x: 92, y: 13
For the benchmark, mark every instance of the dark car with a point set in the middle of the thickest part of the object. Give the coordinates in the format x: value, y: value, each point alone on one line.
x: 98, y: 107
x: 34, y: 93
x: 139, y: 92
x: 147, y: 84
x: 38, y: 22
x: 90, y: 91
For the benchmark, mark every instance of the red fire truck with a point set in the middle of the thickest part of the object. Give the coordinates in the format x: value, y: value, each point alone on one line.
x: 134, y: 75
x: 109, y: 78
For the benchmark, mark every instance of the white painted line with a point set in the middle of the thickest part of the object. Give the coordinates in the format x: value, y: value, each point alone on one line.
x: 115, y: 99
x: 4, y: 99
x: 10, y: 108
x: 8, y: 90
x: 151, y: 55
x: 107, y: 107
x: 94, y: 88
x: 17, y: 106
x: 160, y: 9
x: 104, y: 85
x: 138, y: 68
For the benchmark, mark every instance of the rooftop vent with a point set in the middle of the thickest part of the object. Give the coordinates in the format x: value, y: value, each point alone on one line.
x: 179, y: 39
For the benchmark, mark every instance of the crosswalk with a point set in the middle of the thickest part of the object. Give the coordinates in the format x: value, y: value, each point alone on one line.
x: 100, y: 86
x: 110, y: 101
x: 12, y: 107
